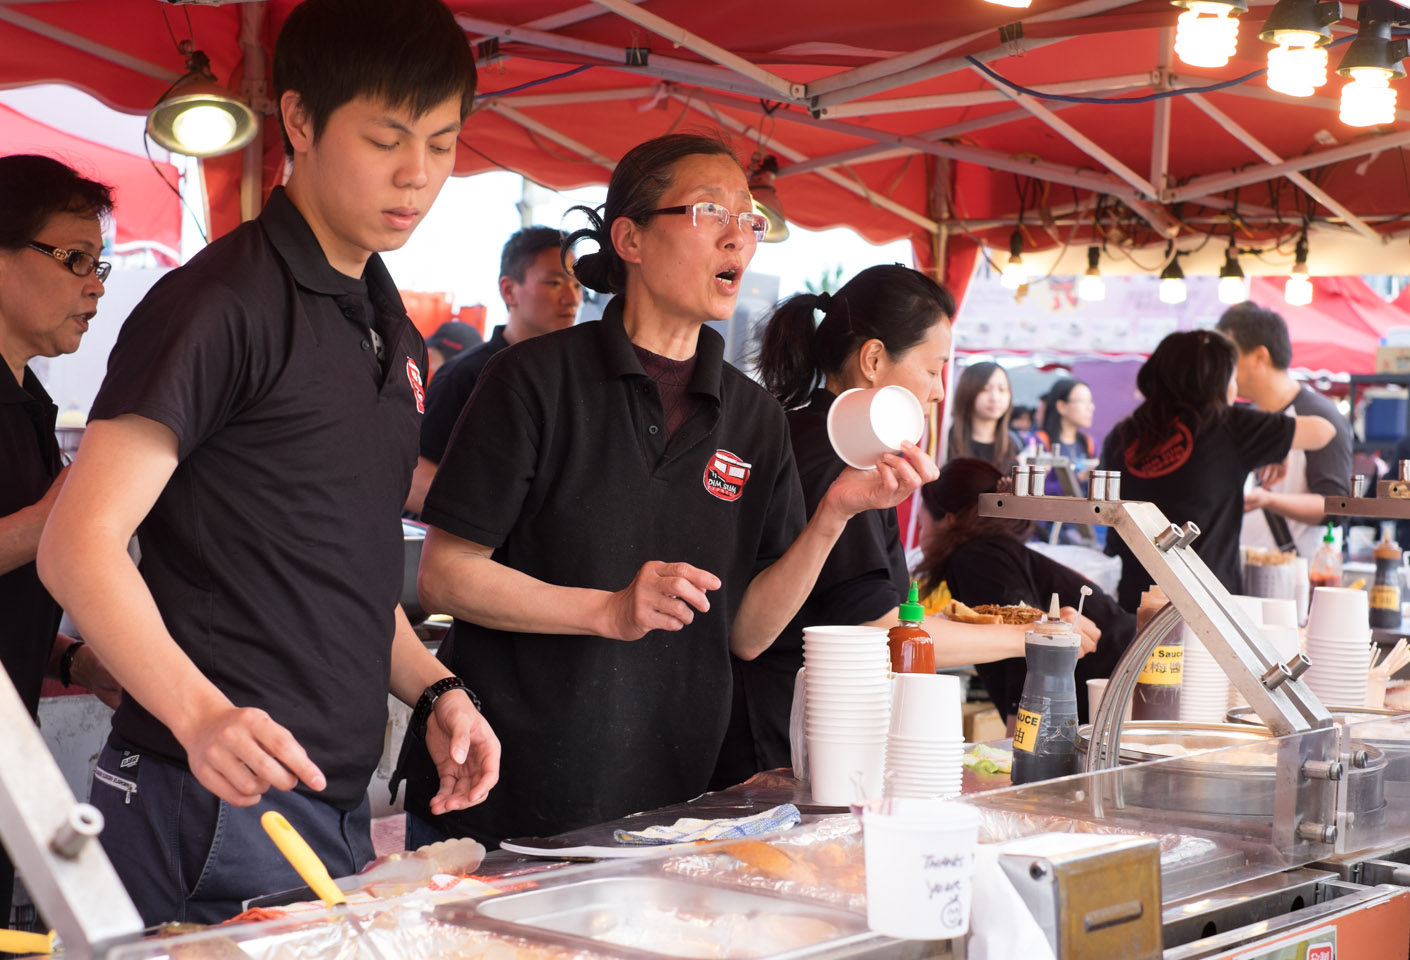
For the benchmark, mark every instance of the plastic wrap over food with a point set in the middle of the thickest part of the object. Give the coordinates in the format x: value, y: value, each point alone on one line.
x: 819, y: 861
x: 1176, y: 850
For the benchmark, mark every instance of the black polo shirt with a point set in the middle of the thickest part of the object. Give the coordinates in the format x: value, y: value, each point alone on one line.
x: 863, y: 578
x: 561, y: 464
x: 275, y: 551
x: 449, y: 391
x: 29, y: 452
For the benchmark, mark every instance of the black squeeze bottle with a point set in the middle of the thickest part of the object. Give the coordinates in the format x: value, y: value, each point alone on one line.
x: 1045, y: 736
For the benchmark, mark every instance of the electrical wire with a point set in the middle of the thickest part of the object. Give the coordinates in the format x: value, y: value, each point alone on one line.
x: 1145, y: 98
x: 535, y: 83
x: 147, y: 147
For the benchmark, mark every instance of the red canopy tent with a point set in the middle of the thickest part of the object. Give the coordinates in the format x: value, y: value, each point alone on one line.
x: 146, y: 212
x: 894, y: 120
x: 1329, y: 334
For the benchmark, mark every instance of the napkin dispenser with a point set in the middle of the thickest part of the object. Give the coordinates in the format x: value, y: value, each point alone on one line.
x: 1094, y: 897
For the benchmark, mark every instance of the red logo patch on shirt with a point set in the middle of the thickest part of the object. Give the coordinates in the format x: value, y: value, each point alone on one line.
x: 413, y: 374
x: 726, y: 475
x: 1166, y: 457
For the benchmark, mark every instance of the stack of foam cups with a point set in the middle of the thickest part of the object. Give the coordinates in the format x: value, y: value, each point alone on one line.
x: 847, y: 688
x: 1338, y: 644
x: 926, y: 741
x: 1253, y: 609
x: 1204, y: 687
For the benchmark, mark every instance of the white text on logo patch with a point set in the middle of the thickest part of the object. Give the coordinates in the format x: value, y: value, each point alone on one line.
x: 725, y: 475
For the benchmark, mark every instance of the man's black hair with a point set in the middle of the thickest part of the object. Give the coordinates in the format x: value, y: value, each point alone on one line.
x: 1251, y: 326
x: 521, y: 249
x: 34, y: 188
x: 409, y: 53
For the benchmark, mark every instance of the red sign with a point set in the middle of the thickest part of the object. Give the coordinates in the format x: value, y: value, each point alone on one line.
x: 726, y: 475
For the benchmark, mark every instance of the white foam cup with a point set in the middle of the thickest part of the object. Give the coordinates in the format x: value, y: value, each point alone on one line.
x: 865, y: 424
x: 926, y: 706
x: 920, y: 867
x: 844, y: 773
x: 1279, y: 613
x: 1339, y: 612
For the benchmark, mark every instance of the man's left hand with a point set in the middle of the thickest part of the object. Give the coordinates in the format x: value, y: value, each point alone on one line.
x: 895, y: 478
x: 88, y: 671
x: 465, y: 751
x: 1255, y: 499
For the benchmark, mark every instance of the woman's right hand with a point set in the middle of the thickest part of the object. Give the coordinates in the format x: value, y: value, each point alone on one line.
x: 660, y: 597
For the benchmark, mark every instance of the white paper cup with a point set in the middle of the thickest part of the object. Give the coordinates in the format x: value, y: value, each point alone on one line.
x: 920, y: 868
x: 1253, y: 606
x: 1339, y: 612
x: 844, y: 634
x: 865, y: 424
x: 926, y: 706
x: 1096, y: 689
x: 842, y: 773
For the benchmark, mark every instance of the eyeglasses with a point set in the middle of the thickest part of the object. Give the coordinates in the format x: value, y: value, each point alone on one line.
x: 79, y: 263
x: 706, y: 213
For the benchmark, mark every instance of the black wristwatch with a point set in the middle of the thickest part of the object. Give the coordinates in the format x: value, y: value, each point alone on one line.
x: 421, y: 715
x: 66, y: 663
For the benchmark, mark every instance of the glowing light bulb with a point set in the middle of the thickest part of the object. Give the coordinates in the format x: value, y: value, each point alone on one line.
x: 1297, y: 292
x: 1297, y: 68
x: 1205, y: 34
x: 1368, y: 99
x: 1010, y: 3
x: 1233, y: 290
x: 203, y: 128
x: 1172, y: 290
x: 1014, y: 274
x: 1091, y: 288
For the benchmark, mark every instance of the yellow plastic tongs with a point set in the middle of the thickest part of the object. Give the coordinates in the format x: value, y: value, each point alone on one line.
x: 21, y: 941
x: 302, y: 858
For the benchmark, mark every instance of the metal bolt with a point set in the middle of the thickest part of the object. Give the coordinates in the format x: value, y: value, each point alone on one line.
x: 1276, y: 676
x: 1038, y: 478
x: 1167, y: 539
x: 1188, y: 535
x: 1359, y: 485
x: 1359, y: 758
x: 1317, y: 832
x: 1322, y: 770
x: 1021, y: 476
x: 1037, y: 870
x: 1096, y: 486
x: 83, y: 824
x: 1298, y: 665
x: 1113, y: 485
x: 1405, y: 471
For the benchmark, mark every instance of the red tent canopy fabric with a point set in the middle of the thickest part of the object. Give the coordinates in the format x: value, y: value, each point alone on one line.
x: 145, y: 210
x: 1340, y: 330
x: 877, y: 114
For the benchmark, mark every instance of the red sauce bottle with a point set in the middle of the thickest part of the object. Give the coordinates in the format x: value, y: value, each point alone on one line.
x: 912, y: 650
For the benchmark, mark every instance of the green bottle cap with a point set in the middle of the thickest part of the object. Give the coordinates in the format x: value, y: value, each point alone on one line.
x: 1329, y: 537
x: 912, y: 611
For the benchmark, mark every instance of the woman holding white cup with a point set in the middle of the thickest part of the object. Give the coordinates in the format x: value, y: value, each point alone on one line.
x: 887, y: 328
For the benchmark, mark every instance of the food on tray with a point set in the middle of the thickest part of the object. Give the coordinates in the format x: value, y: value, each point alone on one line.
x: 772, y: 861
x: 1258, y: 557
x: 986, y: 759
x: 1017, y: 614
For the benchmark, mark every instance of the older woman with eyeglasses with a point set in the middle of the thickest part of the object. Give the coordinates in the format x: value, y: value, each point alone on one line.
x: 618, y: 511
x: 50, y: 282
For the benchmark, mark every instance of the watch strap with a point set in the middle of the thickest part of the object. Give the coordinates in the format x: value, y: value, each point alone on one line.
x: 66, y: 663
x: 421, y: 715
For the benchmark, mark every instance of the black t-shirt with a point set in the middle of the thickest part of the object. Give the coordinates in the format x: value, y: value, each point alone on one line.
x: 999, y: 569
x: 985, y: 451
x: 1196, y: 478
x: 862, y: 579
x: 29, y: 462
x: 449, y: 390
x: 561, y: 464
x: 275, y: 551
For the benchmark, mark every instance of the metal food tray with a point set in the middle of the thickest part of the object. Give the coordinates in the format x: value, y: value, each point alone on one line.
x: 654, y: 916
x: 1221, y: 783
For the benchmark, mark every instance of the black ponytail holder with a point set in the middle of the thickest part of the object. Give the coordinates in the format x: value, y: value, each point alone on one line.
x: 822, y: 301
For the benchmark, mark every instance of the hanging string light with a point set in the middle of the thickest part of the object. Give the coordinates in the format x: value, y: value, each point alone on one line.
x: 1298, y: 290
x: 1207, y: 33
x: 1014, y: 274
x: 1300, y: 30
x: 1372, y: 60
x: 1233, y: 288
x: 1092, y: 288
x: 1172, y: 279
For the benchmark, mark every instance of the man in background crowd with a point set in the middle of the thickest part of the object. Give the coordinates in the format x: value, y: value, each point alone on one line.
x: 541, y: 297
x: 1285, y: 512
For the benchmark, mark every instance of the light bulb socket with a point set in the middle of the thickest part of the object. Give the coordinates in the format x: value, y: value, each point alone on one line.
x: 199, y: 88
x: 1172, y: 270
x: 1094, y: 256
x: 1373, y: 47
x: 1015, y: 244
x: 1295, y: 17
x: 1300, y: 253
x: 1236, y: 7
x: 1231, y: 266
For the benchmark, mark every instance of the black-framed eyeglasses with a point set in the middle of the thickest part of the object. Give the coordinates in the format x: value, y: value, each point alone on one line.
x: 707, y: 213
x: 80, y: 264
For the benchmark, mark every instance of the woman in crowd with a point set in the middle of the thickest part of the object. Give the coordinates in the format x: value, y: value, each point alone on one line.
x: 1067, y: 414
x: 1187, y: 449
x: 889, y: 325
x: 982, y: 560
x: 983, y: 402
x: 586, y: 467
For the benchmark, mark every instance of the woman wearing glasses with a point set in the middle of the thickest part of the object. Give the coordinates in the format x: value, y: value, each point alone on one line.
x: 618, y: 511
x: 50, y: 282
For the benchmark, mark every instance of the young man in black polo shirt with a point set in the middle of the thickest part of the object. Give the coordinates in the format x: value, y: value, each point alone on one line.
x: 541, y: 296
x: 259, y: 420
